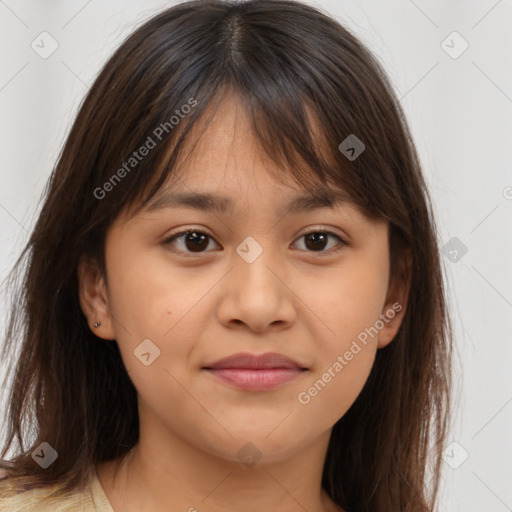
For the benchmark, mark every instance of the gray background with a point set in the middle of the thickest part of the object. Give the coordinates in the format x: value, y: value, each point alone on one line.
x: 460, y: 112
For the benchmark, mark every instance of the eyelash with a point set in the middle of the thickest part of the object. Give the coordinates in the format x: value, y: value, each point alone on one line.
x: 171, y: 238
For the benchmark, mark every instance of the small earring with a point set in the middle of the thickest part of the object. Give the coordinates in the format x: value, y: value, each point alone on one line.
x: 96, y: 324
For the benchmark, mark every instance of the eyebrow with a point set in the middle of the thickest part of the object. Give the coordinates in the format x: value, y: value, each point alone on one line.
x: 209, y: 202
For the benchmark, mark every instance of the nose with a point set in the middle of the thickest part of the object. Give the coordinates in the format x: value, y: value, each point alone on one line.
x: 256, y: 295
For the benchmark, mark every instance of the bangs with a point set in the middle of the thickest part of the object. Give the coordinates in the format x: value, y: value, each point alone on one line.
x: 164, y: 87
x: 302, y: 102
x: 291, y: 139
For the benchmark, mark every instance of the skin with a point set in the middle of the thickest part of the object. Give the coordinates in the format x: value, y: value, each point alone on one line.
x: 304, y: 303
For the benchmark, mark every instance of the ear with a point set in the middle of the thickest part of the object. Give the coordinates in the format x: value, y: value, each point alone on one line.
x: 93, y: 296
x: 395, y: 305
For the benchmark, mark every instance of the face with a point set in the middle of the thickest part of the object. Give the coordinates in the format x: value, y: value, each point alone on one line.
x: 253, y: 277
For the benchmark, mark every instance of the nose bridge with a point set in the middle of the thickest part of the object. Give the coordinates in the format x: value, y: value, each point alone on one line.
x: 255, y: 257
x: 255, y: 293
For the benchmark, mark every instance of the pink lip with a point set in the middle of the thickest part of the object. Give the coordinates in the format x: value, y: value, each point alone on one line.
x: 256, y: 373
x: 256, y: 380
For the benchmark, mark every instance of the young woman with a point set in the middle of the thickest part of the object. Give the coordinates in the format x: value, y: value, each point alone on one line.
x: 233, y: 296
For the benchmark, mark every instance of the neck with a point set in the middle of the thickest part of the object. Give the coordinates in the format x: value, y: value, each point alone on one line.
x: 177, y: 477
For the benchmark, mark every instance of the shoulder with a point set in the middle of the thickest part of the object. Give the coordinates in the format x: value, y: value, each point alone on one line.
x: 41, y: 500
x: 38, y: 500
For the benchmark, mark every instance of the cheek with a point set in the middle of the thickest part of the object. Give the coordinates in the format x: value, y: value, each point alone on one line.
x: 349, y: 302
x: 149, y: 297
x: 333, y: 390
x: 152, y: 301
x: 347, y: 309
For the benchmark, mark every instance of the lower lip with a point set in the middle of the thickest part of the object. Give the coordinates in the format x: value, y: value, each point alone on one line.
x: 256, y: 380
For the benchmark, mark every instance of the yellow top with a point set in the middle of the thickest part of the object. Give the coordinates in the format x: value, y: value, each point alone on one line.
x: 92, y: 499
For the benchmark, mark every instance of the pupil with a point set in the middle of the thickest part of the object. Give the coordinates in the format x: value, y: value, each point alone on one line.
x: 318, y: 239
x: 199, y: 241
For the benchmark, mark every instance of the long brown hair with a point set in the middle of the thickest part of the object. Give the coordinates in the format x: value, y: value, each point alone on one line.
x: 292, y: 65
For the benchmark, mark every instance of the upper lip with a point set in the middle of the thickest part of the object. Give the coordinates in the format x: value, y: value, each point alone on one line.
x: 246, y: 360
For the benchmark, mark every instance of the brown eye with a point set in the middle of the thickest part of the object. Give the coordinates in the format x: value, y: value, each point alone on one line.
x: 316, y: 241
x: 191, y: 241
x: 194, y: 241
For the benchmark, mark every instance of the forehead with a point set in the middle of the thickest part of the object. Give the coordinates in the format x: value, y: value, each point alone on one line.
x: 222, y: 163
x: 221, y: 203
x: 229, y: 135
x: 222, y: 152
